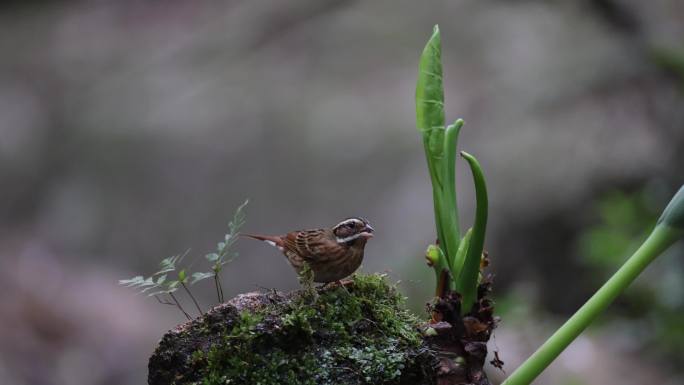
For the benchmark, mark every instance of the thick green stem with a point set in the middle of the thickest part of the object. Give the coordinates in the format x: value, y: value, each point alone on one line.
x: 659, y: 240
x: 450, y: 209
x: 466, y: 282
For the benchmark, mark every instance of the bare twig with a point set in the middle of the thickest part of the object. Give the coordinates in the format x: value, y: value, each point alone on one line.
x: 218, y: 288
x: 163, y: 302
x: 179, y: 306
x: 193, y: 298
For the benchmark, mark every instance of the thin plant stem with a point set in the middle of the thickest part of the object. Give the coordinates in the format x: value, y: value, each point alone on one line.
x: 659, y: 240
x: 220, y: 285
x: 193, y: 298
x: 216, y: 284
x: 161, y: 301
x: 179, y: 306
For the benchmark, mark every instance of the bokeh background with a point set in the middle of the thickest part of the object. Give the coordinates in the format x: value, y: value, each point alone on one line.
x: 131, y: 130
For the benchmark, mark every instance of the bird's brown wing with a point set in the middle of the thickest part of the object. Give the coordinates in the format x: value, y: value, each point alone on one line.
x: 310, y: 245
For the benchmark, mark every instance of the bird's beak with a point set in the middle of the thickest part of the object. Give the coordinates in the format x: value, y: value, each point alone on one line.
x: 368, y: 232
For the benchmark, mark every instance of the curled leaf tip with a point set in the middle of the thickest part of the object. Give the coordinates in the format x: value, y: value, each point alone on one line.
x: 457, y: 125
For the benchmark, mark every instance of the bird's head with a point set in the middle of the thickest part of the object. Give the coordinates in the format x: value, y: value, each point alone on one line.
x: 352, y: 229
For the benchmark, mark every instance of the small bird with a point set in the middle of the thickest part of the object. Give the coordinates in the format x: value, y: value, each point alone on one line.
x: 332, y: 253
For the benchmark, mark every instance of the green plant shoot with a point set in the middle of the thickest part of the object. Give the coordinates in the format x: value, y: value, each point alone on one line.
x: 468, y: 278
x: 440, y: 144
x: 223, y: 254
x: 669, y: 229
x: 159, y: 284
x: 162, y: 287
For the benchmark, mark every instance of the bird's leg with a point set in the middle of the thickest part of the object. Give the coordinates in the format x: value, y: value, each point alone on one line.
x: 327, y: 285
x: 343, y: 284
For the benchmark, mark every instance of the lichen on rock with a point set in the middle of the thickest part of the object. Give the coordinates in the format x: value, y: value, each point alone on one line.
x: 359, y: 333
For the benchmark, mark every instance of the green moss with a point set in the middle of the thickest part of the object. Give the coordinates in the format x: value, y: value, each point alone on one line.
x: 343, y: 335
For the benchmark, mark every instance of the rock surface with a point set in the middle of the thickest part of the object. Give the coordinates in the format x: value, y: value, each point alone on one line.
x: 353, y: 334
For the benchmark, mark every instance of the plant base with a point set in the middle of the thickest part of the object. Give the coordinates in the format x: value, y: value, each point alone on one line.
x: 460, y: 342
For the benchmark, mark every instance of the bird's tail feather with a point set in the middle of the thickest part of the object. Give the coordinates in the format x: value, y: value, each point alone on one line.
x: 272, y: 240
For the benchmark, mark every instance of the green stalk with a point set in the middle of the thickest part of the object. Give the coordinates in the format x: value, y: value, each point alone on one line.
x: 466, y: 283
x: 463, y: 247
x: 659, y: 240
x: 440, y: 144
x: 669, y: 229
x: 450, y: 209
x: 430, y: 123
x: 673, y: 215
x: 435, y: 178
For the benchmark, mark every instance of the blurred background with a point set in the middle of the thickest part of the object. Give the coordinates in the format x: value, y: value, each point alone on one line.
x: 131, y: 130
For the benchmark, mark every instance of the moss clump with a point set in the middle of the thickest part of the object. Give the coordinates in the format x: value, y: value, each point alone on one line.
x: 342, y: 335
x: 354, y: 334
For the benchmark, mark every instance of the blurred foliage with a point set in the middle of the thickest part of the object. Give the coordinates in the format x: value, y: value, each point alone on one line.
x: 624, y: 222
x: 671, y: 60
x: 654, y: 306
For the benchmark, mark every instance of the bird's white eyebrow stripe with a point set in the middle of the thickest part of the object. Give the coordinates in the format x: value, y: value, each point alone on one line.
x: 350, y: 220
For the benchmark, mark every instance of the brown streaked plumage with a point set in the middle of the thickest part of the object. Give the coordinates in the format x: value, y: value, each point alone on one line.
x: 332, y: 254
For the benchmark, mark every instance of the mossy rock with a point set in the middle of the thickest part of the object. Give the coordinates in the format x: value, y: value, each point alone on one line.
x: 359, y: 333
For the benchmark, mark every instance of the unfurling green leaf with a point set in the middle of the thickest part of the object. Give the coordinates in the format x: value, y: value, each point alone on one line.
x: 182, y: 276
x: 212, y: 257
x: 429, y: 90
